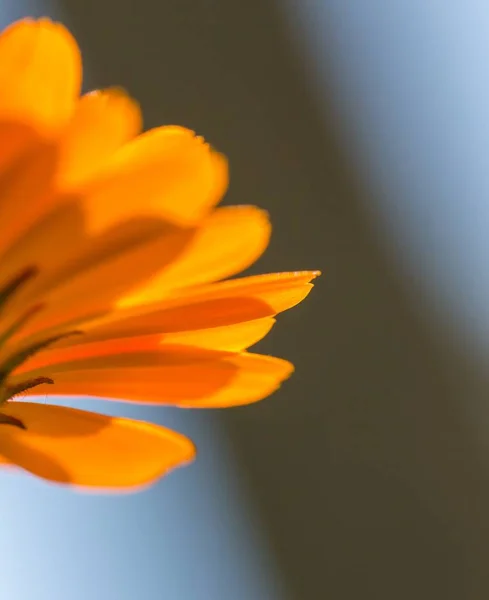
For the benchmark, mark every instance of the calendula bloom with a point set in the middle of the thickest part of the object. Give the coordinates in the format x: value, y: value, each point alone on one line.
x: 113, y: 273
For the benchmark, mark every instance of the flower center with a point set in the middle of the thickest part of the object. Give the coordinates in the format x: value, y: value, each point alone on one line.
x: 21, y: 354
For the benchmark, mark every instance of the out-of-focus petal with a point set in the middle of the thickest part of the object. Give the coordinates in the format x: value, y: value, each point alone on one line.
x: 40, y: 78
x: 40, y: 74
x: 25, y: 187
x: 82, y: 448
x: 166, y: 173
x: 103, y: 122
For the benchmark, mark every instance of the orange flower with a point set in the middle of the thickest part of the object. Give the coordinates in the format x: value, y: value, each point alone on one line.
x: 112, y: 261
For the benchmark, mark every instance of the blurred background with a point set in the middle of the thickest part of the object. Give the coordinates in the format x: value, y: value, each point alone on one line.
x: 363, y: 127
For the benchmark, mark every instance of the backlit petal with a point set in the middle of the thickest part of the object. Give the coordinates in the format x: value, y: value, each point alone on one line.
x: 173, y: 375
x: 217, y: 305
x: 25, y: 188
x: 40, y: 74
x: 232, y: 338
x: 82, y: 448
x: 166, y: 173
x: 229, y: 240
x: 103, y: 121
x: 279, y: 291
x: 229, y: 338
x: 40, y: 77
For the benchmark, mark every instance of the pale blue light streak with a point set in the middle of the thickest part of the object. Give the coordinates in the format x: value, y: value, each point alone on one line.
x: 411, y: 83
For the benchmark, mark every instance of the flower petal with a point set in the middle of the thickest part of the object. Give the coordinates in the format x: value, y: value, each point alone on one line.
x: 167, y: 173
x: 229, y: 338
x: 278, y: 291
x: 17, y: 140
x: 127, y: 255
x: 25, y: 189
x: 40, y: 74
x: 229, y: 240
x: 82, y: 448
x: 181, y: 376
x: 199, y: 309
x: 103, y: 122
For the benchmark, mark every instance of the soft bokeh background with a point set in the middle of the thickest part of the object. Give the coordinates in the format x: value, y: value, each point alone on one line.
x: 363, y: 127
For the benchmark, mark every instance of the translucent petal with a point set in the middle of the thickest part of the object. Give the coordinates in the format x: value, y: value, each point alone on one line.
x: 103, y: 122
x: 40, y: 74
x: 175, y: 375
x: 82, y: 448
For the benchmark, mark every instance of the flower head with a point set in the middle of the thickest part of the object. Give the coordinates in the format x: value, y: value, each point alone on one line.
x: 113, y: 273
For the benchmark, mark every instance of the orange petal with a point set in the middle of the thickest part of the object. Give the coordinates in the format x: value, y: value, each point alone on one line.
x: 82, y: 448
x: 167, y: 173
x: 16, y: 140
x: 40, y: 74
x: 229, y: 240
x: 199, y: 317
x: 25, y: 188
x: 103, y: 122
x: 194, y: 312
x: 279, y: 291
x: 220, y: 183
x: 180, y: 376
x: 67, y: 259
x: 230, y: 338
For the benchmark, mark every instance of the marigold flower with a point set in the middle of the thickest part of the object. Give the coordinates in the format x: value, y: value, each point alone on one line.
x: 113, y: 267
